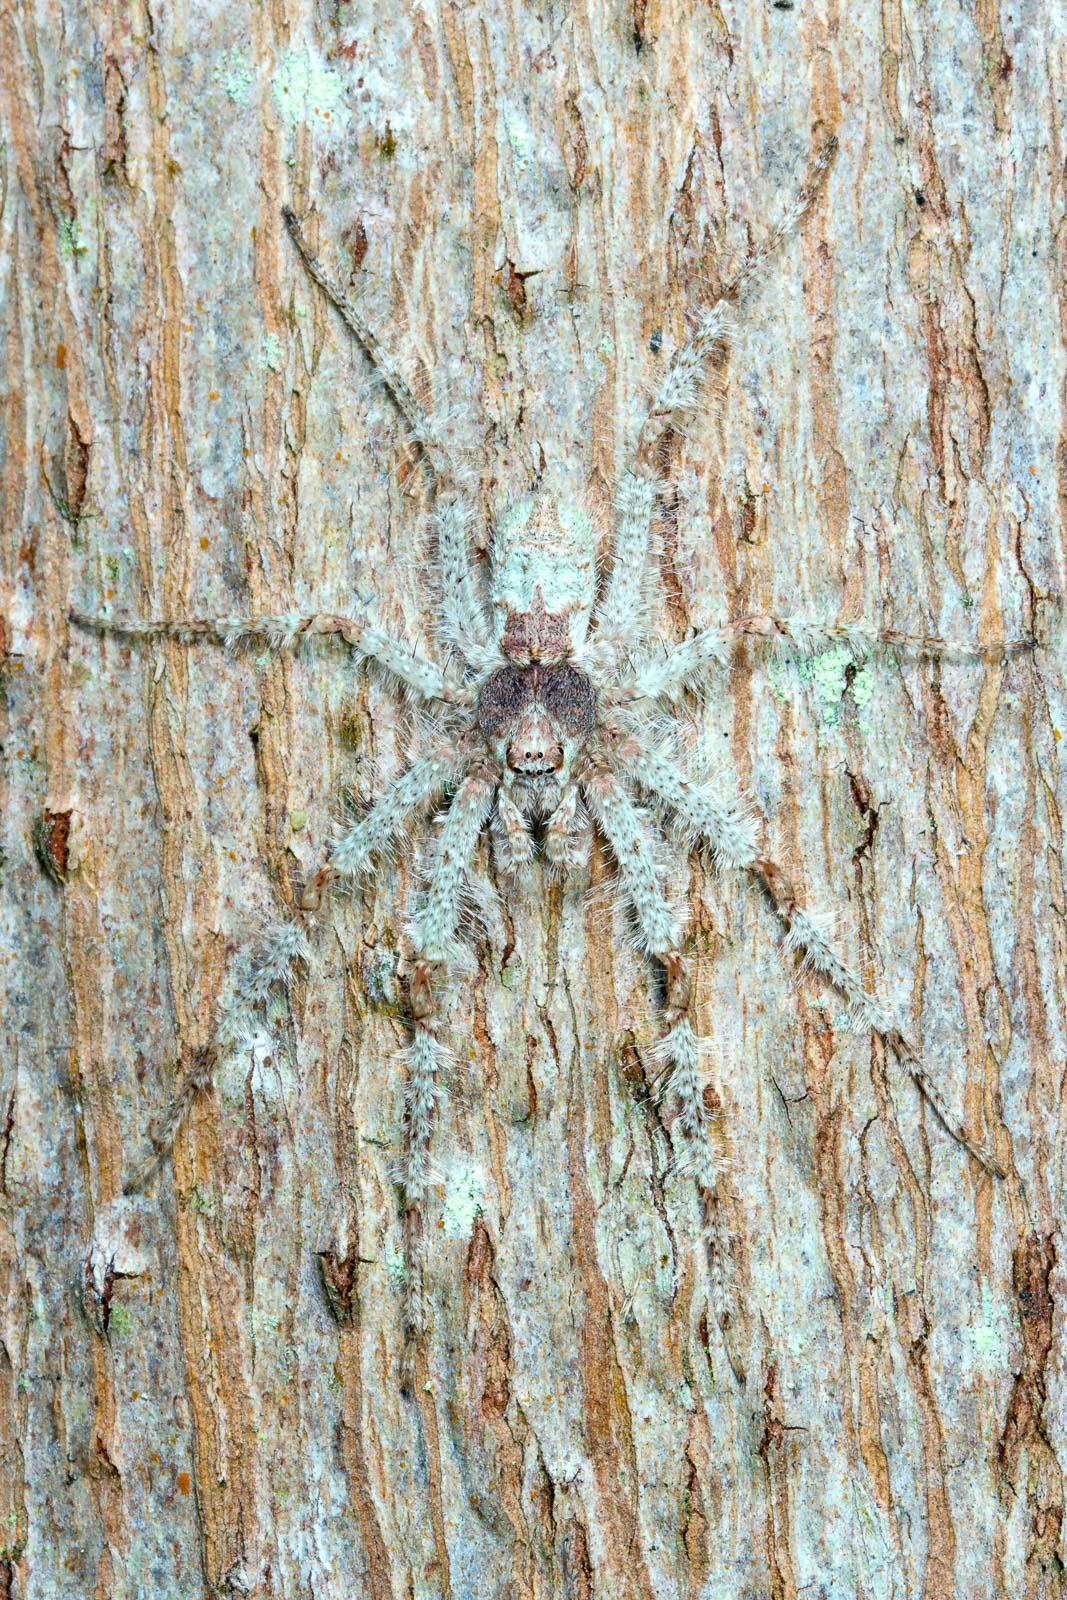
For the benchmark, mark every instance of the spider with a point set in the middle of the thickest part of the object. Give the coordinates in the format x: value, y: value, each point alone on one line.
x: 546, y: 726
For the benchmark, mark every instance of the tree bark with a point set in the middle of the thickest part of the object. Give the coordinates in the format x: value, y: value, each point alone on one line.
x: 200, y: 1387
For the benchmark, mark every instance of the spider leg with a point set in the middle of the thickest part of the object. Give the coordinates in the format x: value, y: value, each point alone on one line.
x: 416, y: 672
x: 465, y: 622
x: 659, y: 930
x: 620, y: 616
x: 373, y: 834
x: 420, y: 423
x: 686, y: 663
x: 729, y: 829
x: 262, y: 972
x: 433, y: 934
x: 679, y: 388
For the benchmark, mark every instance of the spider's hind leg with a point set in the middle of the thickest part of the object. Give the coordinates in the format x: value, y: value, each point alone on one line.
x: 261, y: 975
x: 421, y: 425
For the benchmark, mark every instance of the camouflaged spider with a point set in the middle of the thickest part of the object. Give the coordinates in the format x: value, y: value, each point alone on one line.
x: 546, y: 727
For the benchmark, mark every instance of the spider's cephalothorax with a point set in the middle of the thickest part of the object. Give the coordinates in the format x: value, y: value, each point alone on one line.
x: 551, y: 710
x: 538, y: 713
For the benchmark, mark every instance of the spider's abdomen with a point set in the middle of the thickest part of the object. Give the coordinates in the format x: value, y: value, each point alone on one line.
x: 544, y: 579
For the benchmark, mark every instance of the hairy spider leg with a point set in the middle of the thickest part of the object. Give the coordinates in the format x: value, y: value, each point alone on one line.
x: 681, y: 1085
x: 433, y: 931
x: 686, y: 664
x: 415, y: 671
x: 422, y: 426
x: 262, y: 972
x: 377, y: 832
x: 465, y: 623
x: 730, y: 833
x: 621, y: 615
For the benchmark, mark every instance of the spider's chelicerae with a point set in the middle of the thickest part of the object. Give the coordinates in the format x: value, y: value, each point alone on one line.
x: 547, y: 726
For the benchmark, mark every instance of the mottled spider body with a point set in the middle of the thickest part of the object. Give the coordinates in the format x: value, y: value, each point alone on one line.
x: 551, y: 698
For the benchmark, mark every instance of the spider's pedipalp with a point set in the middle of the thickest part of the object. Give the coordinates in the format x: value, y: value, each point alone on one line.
x: 513, y: 847
x: 568, y: 833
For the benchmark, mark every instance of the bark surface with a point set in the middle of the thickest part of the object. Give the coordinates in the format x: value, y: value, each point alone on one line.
x: 200, y: 1388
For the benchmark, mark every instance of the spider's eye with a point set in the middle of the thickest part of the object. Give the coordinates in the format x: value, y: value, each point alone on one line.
x: 504, y: 695
x: 568, y: 696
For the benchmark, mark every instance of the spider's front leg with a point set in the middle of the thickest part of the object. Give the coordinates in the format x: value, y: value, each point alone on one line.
x: 729, y: 829
x: 433, y: 936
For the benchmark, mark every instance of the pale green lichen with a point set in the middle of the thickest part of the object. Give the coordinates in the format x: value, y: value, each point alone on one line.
x: 464, y: 1201
x: 234, y: 71
x: 778, y: 678
x: 71, y: 243
x: 270, y: 356
x: 119, y: 1322
x: 520, y: 138
x: 862, y: 689
x: 304, y: 87
x: 826, y: 671
x: 397, y: 1268
x: 836, y: 678
x: 511, y: 975
x: 986, y: 1332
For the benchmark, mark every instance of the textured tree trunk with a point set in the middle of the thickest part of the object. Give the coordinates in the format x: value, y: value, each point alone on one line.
x: 200, y: 1387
